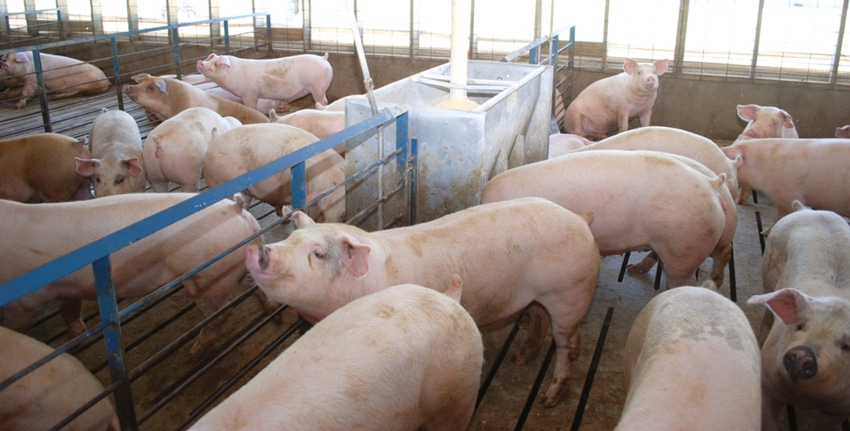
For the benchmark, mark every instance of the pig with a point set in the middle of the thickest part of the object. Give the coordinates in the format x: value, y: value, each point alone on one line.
x: 842, y: 132
x: 806, y: 281
x: 563, y: 143
x: 204, y: 83
x: 285, y: 79
x: 321, y: 123
x: 116, y: 164
x: 764, y: 122
x: 691, y: 361
x: 608, y: 104
x: 166, y: 97
x: 248, y: 147
x: 41, y: 168
x: 675, y: 211
x: 138, y: 268
x: 336, y: 105
x: 429, y: 381
x: 810, y: 170
x: 48, y: 395
x: 322, y: 266
x: 174, y: 150
x: 67, y: 76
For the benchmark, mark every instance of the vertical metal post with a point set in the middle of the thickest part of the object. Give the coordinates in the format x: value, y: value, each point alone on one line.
x: 8, y: 27
x: 116, y: 70
x: 39, y: 77
x: 756, y: 42
x: 413, y: 178
x: 175, y: 44
x: 298, y: 183
x: 61, y: 26
x: 226, y: 37
x: 108, y: 306
x: 269, y: 38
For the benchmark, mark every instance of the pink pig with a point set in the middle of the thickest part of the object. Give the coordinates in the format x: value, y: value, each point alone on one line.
x: 321, y: 123
x: 174, y: 151
x: 285, y: 79
x: 806, y: 279
x: 810, y: 170
x: 66, y: 75
x: 563, y: 143
x: 413, y: 358
x: 41, y: 168
x: 691, y: 362
x: 206, y: 84
x: 552, y: 259
x: 46, y: 396
x: 116, y: 164
x: 764, y: 122
x: 245, y: 148
x: 36, y: 234
x: 608, y: 104
x: 641, y: 200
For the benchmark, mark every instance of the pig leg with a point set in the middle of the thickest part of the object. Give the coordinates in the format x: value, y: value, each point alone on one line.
x: 27, y: 92
x: 71, y: 311
x: 319, y: 94
x: 566, y: 346
x: 209, y: 299
x: 537, y: 321
x: 643, y: 118
x: 720, y: 257
x: 645, y: 264
x: 623, y: 120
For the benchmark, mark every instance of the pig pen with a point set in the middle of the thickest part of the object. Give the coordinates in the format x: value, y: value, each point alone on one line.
x: 170, y: 392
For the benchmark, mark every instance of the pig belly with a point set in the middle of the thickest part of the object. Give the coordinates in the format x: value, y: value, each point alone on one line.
x: 395, y: 361
x: 681, y: 225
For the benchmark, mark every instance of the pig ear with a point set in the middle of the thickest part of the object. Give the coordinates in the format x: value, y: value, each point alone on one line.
x: 747, y: 112
x: 162, y: 85
x: 787, y: 304
x: 140, y: 77
x: 732, y: 153
x: 301, y: 219
x: 132, y: 166
x: 21, y: 57
x: 223, y: 61
x: 786, y: 119
x: 86, y: 167
x: 353, y: 255
x: 629, y: 65
x: 273, y: 115
x: 660, y: 66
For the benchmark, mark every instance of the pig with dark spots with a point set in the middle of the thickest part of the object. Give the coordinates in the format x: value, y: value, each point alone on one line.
x: 812, y: 171
x: 283, y: 79
x: 174, y: 151
x: 136, y: 269
x: 41, y: 168
x: 413, y: 359
x: 550, y: 259
x: 641, y: 200
x: 116, y: 165
x: 245, y: 148
x: 164, y: 98
x: 691, y: 362
x: 764, y: 122
x: 67, y: 76
x: 806, y: 352
x: 608, y: 104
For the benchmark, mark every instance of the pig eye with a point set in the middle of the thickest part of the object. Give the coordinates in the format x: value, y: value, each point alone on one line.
x: 119, y: 180
x: 845, y: 347
x: 96, y: 179
x: 318, y: 254
x: 801, y: 326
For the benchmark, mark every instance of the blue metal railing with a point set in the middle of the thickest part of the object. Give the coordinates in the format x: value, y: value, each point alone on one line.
x: 97, y: 253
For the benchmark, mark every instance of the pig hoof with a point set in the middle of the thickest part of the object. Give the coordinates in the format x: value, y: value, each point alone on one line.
x: 552, y: 397
x: 637, y: 269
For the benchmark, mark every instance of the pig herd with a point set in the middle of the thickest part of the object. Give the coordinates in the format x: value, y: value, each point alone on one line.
x: 404, y: 305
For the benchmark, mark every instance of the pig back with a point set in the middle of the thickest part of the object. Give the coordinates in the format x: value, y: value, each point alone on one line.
x: 672, y: 349
x: 41, y: 167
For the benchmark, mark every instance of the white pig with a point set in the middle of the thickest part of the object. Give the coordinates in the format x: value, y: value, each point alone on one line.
x: 764, y: 122
x: 166, y: 97
x: 48, y: 395
x: 608, y: 104
x: 641, y: 200
x: 691, y: 362
x: 67, y: 76
x: 551, y: 259
x: 412, y: 361
x: 812, y: 171
x: 806, y: 280
x: 174, y: 150
x: 41, y: 168
x: 285, y: 79
x: 563, y: 143
x: 246, y: 148
x: 321, y: 123
x: 116, y: 164
x: 36, y: 234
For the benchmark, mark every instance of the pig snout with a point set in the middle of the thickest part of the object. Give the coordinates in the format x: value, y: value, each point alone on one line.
x: 800, y: 363
x: 651, y: 82
x: 200, y: 65
x: 257, y: 257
